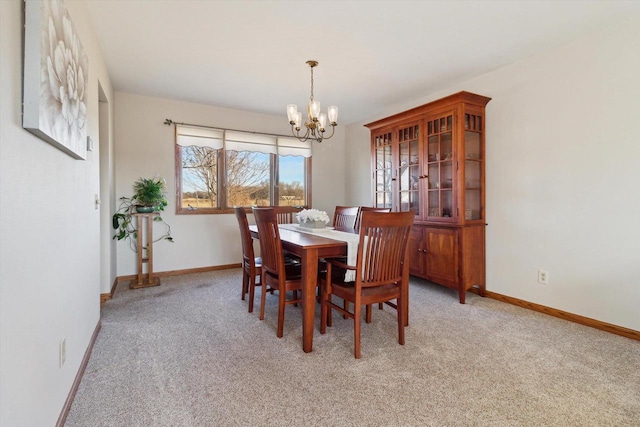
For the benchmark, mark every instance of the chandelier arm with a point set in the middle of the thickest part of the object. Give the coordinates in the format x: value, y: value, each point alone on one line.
x: 306, y: 135
x: 319, y: 136
x: 296, y: 133
x: 333, y: 129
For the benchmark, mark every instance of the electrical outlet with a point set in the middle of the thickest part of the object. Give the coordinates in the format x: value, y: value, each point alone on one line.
x: 63, y: 351
x: 543, y: 277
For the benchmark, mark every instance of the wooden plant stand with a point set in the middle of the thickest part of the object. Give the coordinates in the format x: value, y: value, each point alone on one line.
x: 144, y: 224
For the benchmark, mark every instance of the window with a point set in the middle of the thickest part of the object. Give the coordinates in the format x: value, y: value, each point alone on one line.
x: 217, y: 169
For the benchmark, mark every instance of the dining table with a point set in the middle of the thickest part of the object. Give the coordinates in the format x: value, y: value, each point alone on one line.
x: 311, y: 246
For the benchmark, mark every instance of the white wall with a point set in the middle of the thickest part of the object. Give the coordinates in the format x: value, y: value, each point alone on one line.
x: 563, y: 167
x: 145, y: 147
x: 106, y: 150
x: 562, y: 170
x: 49, y: 249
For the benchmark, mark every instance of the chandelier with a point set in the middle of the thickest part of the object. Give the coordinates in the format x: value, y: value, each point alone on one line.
x: 317, y: 121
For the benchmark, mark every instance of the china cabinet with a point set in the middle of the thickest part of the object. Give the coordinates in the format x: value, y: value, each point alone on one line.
x: 430, y: 160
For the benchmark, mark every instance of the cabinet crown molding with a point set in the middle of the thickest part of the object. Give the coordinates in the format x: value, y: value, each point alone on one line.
x: 447, y: 101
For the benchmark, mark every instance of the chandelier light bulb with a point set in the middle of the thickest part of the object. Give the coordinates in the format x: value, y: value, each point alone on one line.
x: 292, y: 110
x: 298, y: 120
x: 314, y: 110
x: 333, y: 115
x: 322, y: 121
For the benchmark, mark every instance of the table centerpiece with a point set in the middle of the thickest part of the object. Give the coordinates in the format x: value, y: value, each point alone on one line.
x: 312, y: 218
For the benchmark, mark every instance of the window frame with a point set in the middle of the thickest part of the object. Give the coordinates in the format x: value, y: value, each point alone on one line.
x: 221, y: 160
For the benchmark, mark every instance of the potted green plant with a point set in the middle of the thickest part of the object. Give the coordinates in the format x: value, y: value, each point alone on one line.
x: 149, y: 196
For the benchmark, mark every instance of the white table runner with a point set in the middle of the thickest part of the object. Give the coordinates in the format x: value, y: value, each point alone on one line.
x: 351, y: 239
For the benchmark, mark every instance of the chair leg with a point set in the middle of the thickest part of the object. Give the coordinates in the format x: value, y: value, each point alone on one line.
x: 282, y: 295
x: 368, y: 313
x: 328, y: 306
x: 400, y: 322
x: 252, y: 292
x: 356, y: 330
x: 326, y: 296
x: 263, y: 297
x: 346, y: 308
x: 380, y: 305
x: 323, y: 310
x: 245, y: 283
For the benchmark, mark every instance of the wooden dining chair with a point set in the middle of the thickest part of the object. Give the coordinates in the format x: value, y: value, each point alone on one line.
x: 381, y: 271
x: 251, y: 265
x: 274, y: 272
x: 344, y: 218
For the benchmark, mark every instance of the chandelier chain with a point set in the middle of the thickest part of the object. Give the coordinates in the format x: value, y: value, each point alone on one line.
x: 312, y: 83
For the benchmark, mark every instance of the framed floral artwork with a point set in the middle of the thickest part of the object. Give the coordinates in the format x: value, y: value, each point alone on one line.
x: 55, y: 78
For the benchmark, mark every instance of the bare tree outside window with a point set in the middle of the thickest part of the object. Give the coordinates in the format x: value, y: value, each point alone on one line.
x: 248, y: 178
x: 199, y: 177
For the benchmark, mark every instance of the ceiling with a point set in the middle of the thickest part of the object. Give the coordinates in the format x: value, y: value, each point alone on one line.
x: 250, y: 55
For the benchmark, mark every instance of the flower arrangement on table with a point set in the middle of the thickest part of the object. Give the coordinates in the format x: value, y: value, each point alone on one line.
x: 312, y: 218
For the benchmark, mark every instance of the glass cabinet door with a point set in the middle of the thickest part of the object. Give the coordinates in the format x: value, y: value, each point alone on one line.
x: 473, y: 167
x: 409, y: 169
x: 440, y: 168
x: 383, y: 171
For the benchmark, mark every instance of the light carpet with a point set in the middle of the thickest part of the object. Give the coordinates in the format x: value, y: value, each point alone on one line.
x: 187, y: 353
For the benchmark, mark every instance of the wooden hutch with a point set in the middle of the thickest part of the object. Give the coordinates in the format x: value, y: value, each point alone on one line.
x: 430, y: 159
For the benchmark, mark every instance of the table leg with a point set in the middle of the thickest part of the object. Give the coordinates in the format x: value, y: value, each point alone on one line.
x: 309, y: 283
